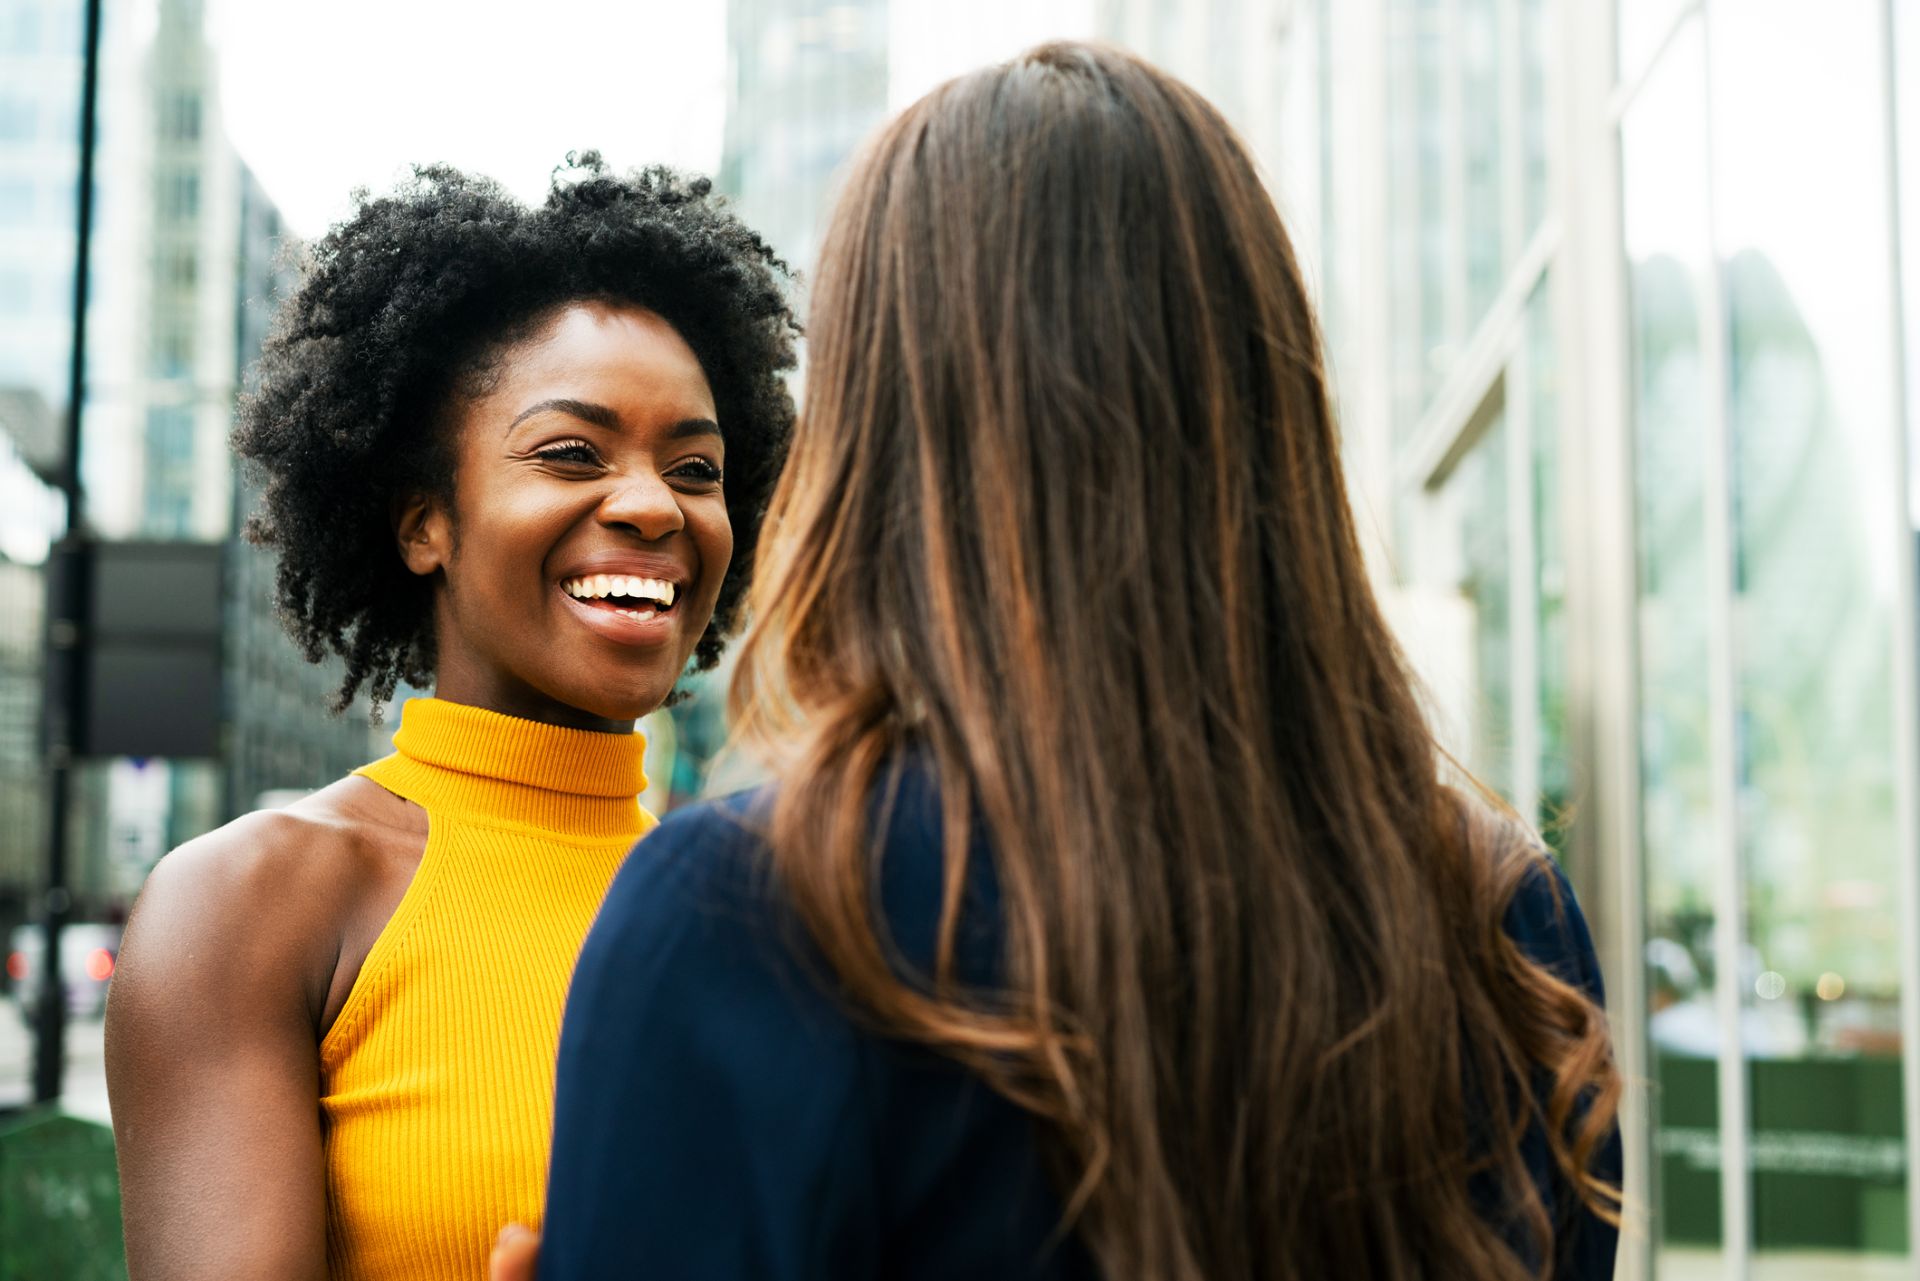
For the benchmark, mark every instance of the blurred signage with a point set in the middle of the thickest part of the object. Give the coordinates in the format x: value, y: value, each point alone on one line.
x: 151, y: 662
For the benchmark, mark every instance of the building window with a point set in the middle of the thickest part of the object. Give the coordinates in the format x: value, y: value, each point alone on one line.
x: 177, y: 196
x: 180, y: 116
x: 20, y: 29
x: 19, y: 118
x: 172, y: 349
x: 177, y: 267
x: 169, y: 474
x: 16, y: 293
x: 16, y: 201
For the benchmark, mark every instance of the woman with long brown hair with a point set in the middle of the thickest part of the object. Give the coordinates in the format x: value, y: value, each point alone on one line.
x: 1109, y: 914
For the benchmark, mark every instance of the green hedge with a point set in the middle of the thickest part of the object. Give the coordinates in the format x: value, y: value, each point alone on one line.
x: 1826, y: 1149
x: 59, y: 1200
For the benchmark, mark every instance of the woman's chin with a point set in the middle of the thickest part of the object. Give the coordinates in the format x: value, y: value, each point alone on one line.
x: 634, y: 701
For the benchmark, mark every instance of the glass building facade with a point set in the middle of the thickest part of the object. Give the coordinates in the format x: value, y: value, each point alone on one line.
x: 807, y: 81
x: 1622, y: 301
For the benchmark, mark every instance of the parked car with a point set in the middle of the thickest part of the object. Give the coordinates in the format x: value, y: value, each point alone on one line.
x: 87, y: 957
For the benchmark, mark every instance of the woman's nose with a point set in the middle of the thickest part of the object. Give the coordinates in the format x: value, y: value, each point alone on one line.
x: 644, y: 503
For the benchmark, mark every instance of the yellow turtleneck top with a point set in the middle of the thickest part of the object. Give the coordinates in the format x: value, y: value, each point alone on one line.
x: 436, y: 1080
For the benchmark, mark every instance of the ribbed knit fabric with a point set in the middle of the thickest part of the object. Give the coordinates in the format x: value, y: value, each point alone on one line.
x: 437, y: 1079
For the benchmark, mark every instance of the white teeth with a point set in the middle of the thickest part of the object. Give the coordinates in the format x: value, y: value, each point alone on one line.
x: 600, y: 586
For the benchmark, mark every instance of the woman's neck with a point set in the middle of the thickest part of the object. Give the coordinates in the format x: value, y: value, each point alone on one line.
x: 509, y: 697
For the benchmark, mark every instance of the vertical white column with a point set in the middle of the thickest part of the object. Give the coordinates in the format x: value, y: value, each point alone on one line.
x: 1597, y: 494
x: 1453, y: 109
x: 1523, y: 529
x: 1723, y: 711
x: 1891, y: 16
x: 1357, y: 36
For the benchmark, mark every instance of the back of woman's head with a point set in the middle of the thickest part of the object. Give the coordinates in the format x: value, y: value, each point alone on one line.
x: 1066, y: 510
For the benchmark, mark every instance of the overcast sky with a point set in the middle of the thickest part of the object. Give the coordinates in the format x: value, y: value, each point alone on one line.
x: 319, y: 98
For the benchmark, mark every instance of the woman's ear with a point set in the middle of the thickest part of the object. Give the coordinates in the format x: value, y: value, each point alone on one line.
x: 421, y: 529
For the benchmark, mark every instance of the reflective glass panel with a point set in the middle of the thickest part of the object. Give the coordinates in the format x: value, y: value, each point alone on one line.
x: 1466, y: 130
x: 1554, y: 777
x: 1479, y: 56
x: 1537, y: 35
x: 1468, y: 640
x: 1906, y: 89
x: 1670, y: 266
x: 1801, y: 201
x: 1419, y: 226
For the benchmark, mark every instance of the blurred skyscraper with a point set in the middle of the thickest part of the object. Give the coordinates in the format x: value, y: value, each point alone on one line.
x: 280, y: 736
x: 807, y: 80
x: 40, y: 64
x: 39, y: 92
x: 187, y: 258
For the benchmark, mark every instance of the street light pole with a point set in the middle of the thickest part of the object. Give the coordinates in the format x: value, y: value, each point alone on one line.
x: 66, y: 616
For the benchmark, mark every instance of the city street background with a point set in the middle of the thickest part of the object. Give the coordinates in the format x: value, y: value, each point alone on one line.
x: 1622, y: 299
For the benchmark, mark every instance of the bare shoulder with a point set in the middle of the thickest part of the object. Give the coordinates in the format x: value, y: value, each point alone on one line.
x: 317, y: 843
x: 270, y: 894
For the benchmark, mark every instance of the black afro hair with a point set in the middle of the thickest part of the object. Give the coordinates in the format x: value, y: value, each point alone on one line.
x: 405, y: 305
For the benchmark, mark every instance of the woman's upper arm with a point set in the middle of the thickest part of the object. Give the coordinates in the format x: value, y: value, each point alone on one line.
x: 212, y: 1059
x: 708, y: 1120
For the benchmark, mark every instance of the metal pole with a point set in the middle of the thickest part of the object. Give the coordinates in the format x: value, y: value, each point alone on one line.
x: 66, y: 607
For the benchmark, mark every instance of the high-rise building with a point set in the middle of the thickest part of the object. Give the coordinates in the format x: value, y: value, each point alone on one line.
x: 186, y: 263
x: 280, y: 738
x: 39, y: 120
x: 39, y: 79
x: 807, y: 81
x: 31, y: 512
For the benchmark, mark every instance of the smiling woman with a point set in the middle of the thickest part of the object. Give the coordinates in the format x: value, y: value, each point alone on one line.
x: 523, y: 454
x: 609, y: 467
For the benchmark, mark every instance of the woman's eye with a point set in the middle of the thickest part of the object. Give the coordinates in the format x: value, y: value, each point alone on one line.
x: 699, y: 469
x: 577, y: 452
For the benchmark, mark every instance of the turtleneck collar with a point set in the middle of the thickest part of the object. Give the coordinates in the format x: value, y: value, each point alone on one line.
x: 468, y: 762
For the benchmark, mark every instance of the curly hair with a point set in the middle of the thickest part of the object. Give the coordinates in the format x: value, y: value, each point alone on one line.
x: 404, y: 311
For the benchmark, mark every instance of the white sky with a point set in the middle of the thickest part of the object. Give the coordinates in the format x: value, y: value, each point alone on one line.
x: 321, y: 98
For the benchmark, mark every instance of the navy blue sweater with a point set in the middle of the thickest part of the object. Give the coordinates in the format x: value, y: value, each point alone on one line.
x: 720, y: 1115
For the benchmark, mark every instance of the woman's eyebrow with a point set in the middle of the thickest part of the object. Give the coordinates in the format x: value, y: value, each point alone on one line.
x: 693, y: 427
x: 585, y: 410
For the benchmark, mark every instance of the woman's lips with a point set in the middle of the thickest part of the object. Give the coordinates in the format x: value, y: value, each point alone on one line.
x: 635, y: 627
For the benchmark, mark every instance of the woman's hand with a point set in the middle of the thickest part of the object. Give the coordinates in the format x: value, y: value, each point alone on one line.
x: 514, y: 1254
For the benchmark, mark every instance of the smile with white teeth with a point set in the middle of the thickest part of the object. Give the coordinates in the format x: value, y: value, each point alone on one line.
x: 639, y: 597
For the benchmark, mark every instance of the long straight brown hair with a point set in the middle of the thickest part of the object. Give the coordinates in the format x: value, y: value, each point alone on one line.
x: 1065, y: 514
